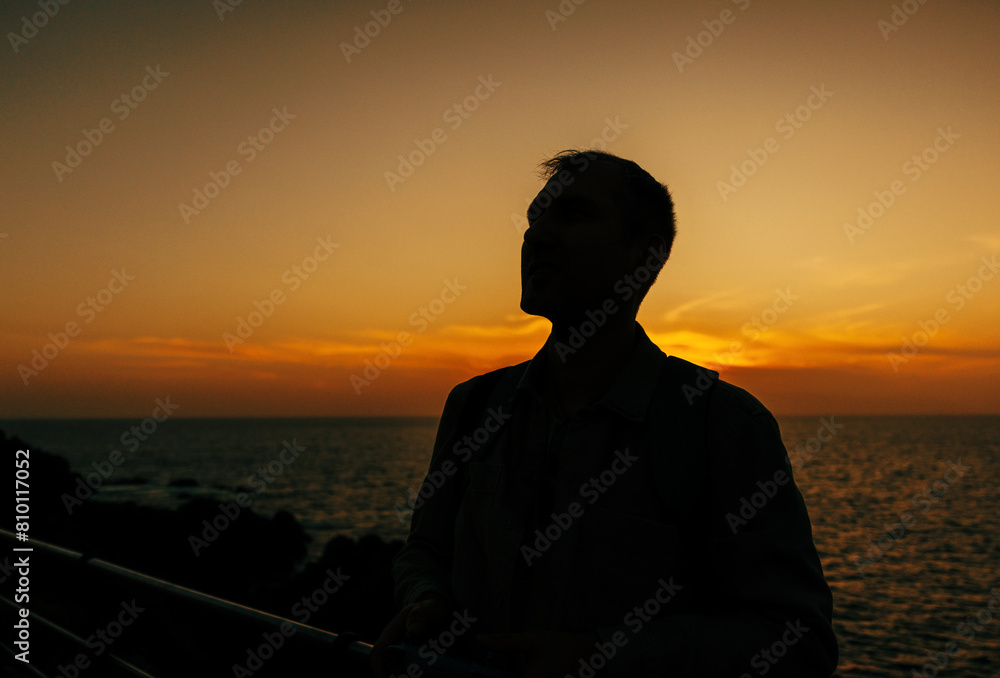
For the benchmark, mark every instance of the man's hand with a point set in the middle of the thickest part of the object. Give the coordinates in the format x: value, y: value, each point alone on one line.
x: 419, y: 620
x: 550, y: 655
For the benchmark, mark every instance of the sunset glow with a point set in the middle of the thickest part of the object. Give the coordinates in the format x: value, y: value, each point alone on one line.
x: 244, y: 209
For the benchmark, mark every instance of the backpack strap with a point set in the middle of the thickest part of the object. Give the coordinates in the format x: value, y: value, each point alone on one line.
x: 677, y: 432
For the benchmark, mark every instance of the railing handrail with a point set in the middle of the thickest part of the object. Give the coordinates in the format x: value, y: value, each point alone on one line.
x: 341, y: 641
x: 80, y: 643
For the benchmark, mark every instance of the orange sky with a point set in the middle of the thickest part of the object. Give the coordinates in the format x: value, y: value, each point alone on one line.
x: 775, y: 276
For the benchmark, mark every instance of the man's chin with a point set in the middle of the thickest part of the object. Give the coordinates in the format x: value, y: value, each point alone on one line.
x: 535, y: 305
x: 553, y: 311
x: 532, y: 308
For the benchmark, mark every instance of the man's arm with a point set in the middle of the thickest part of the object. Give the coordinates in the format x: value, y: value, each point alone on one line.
x: 422, y: 568
x: 767, y: 606
x: 423, y: 565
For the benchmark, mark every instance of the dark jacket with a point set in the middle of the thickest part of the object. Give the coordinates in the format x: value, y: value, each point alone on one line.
x: 688, y: 558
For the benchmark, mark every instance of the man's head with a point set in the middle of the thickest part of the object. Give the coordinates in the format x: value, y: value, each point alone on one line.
x: 599, y: 230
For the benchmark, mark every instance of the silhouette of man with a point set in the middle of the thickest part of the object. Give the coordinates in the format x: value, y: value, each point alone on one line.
x: 615, y: 512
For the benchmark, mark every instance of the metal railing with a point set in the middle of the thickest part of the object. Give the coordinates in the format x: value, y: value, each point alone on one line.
x: 343, y: 653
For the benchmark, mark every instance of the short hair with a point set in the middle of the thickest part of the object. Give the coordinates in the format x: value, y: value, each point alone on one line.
x: 648, y: 208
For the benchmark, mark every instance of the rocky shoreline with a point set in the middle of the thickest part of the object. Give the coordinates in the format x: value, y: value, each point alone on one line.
x: 214, y: 547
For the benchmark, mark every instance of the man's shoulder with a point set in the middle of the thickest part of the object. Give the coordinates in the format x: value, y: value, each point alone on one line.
x: 732, y: 410
x: 492, y: 379
x: 724, y: 398
x: 729, y: 399
x: 728, y: 407
x: 497, y: 371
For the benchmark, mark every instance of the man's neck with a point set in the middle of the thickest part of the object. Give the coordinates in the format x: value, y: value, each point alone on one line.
x: 582, y: 371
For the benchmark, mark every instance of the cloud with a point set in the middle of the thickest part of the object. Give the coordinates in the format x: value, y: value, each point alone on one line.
x: 990, y: 241
x: 675, y: 313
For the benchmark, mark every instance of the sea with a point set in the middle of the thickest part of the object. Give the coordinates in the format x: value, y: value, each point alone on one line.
x: 905, y: 510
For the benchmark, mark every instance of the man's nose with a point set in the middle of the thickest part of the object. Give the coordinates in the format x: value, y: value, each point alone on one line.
x: 539, y: 233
